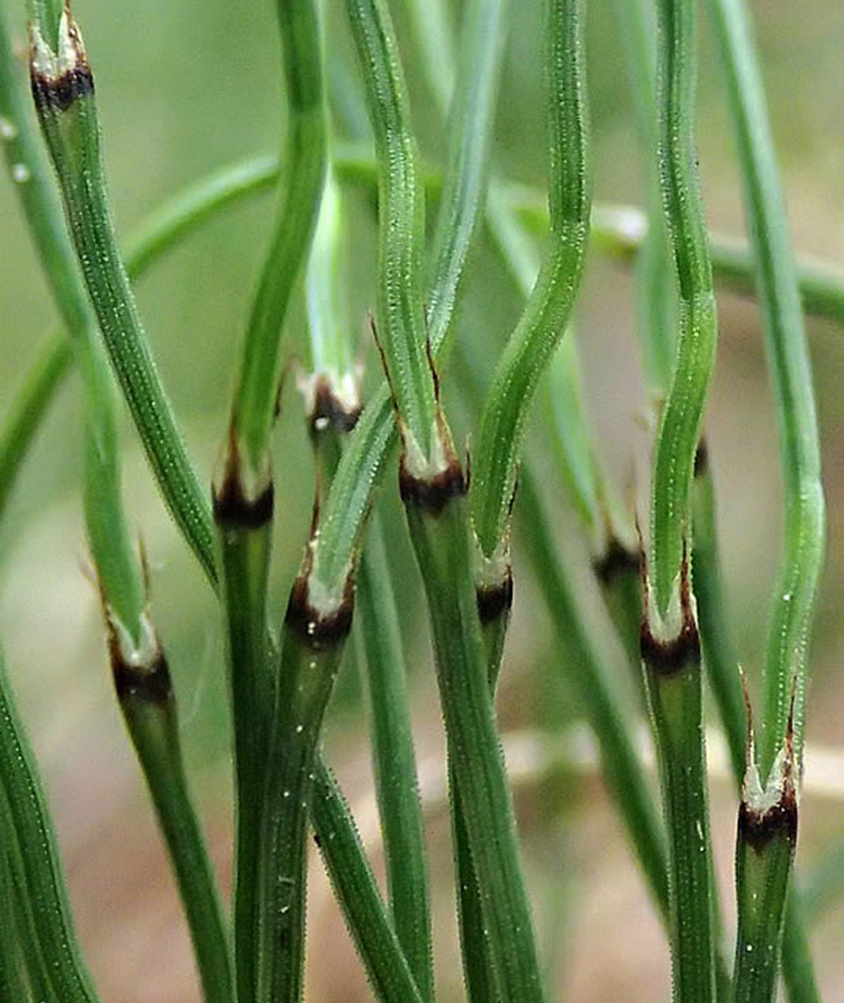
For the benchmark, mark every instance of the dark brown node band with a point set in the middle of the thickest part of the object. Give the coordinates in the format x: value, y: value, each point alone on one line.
x: 233, y: 509
x: 495, y: 600
x: 757, y: 829
x: 327, y: 406
x: 150, y: 683
x: 60, y: 92
x: 432, y: 494
x: 319, y: 630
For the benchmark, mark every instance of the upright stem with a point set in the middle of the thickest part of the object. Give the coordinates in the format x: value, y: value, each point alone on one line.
x: 791, y: 374
x: 673, y: 676
x: 63, y: 87
x: 442, y: 546
x: 394, y: 760
x: 41, y: 867
x: 303, y: 172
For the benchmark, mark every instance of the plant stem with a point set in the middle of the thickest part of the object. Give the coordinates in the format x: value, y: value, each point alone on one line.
x: 310, y: 654
x: 442, y: 546
x: 549, y: 307
x: 681, y: 416
x: 244, y: 497
x: 301, y: 183
x: 149, y: 709
x: 68, y: 976
x: 332, y: 408
x: 785, y: 339
x: 394, y: 760
x: 401, y: 330
x: 673, y: 675
x: 802, y: 562
x: 21, y: 964
x: 767, y: 835
x: 63, y: 89
x: 470, y: 138
x: 244, y: 542
x: 355, y: 886
x: 156, y: 740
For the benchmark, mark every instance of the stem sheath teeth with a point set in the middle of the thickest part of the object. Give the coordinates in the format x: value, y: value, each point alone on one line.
x: 670, y: 642
x: 59, y: 77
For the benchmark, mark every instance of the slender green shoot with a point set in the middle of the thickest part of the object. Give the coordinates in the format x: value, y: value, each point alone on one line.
x: 355, y: 886
x: 64, y: 96
x: 394, y: 760
x: 681, y: 416
x: 673, y: 677
x: 44, y: 886
x: 432, y: 488
x: 16, y: 954
x: 312, y: 644
x: 153, y: 728
x: 549, y: 308
x: 767, y: 835
x: 147, y: 702
x: 401, y: 332
x: 802, y: 561
x: 470, y: 135
x: 244, y: 542
x: 301, y: 182
x: 332, y: 408
x: 332, y: 349
x: 243, y: 513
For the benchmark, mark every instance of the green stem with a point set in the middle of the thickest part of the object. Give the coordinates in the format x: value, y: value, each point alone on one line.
x: 654, y: 289
x: 673, y: 676
x: 18, y: 956
x: 802, y: 562
x: 119, y: 578
x: 332, y: 407
x: 63, y: 89
x: 767, y: 834
x: 442, y: 546
x: 303, y: 173
x: 790, y: 366
x: 310, y: 654
x: 45, y: 889
x: 681, y: 416
x: 402, y: 335
x: 394, y: 760
x: 470, y: 137
x: 355, y: 886
x: 549, y: 307
x: 149, y: 709
x: 243, y: 560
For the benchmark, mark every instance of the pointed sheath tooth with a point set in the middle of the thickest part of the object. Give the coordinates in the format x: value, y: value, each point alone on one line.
x: 770, y: 811
x: 669, y: 643
x: 62, y: 76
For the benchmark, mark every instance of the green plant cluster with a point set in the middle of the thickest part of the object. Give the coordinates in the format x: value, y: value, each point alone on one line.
x: 665, y: 601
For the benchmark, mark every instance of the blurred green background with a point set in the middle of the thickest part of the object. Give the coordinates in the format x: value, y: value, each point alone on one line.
x: 186, y: 87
